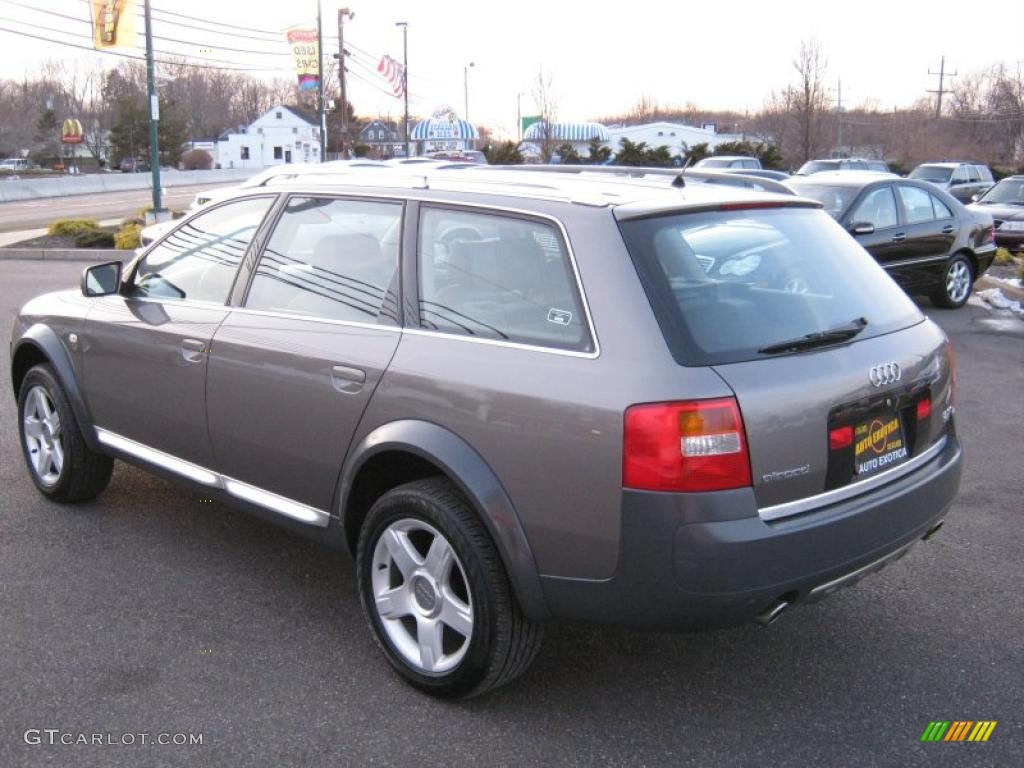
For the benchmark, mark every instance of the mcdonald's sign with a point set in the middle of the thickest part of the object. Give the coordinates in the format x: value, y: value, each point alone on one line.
x: 71, y: 131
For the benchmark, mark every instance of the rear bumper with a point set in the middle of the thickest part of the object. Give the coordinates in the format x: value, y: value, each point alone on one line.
x: 699, y: 561
x: 1012, y: 241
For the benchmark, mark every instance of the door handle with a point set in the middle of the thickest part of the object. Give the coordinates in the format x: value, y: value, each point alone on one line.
x: 947, y: 229
x: 899, y: 237
x: 192, y: 350
x: 347, y: 380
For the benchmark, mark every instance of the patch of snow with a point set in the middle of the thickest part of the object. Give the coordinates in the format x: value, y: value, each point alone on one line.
x: 997, y: 300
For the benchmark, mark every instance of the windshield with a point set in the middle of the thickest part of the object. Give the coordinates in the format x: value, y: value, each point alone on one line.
x: 728, y: 286
x: 931, y: 173
x: 816, y: 166
x: 835, y: 198
x: 1009, y: 191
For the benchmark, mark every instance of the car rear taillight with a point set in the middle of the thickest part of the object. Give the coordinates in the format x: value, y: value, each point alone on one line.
x: 924, y: 408
x: 697, y: 445
x: 840, y: 437
x: 990, y: 235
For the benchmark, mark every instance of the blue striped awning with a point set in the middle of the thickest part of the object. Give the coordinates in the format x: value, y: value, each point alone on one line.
x: 440, y: 128
x: 568, y: 132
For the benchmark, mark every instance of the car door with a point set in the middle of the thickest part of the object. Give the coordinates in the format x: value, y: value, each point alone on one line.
x: 928, y: 237
x: 877, y: 207
x: 145, y: 349
x: 292, y: 369
x: 960, y: 185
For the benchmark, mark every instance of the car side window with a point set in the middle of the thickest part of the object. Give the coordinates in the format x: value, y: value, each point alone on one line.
x: 960, y: 174
x: 331, y: 258
x: 941, y: 209
x: 878, y: 208
x: 494, y: 276
x: 972, y: 174
x: 917, y: 204
x: 198, y: 260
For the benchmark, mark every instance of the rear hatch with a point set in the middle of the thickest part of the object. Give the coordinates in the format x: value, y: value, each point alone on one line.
x: 839, y: 378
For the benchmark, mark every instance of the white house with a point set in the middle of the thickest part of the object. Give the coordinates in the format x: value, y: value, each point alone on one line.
x: 678, y: 137
x: 282, y: 135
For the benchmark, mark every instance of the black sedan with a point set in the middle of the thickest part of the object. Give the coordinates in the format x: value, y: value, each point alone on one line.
x: 924, y: 238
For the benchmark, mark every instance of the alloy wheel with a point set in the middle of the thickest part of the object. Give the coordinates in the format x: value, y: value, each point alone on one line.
x: 421, y: 596
x: 958, y: 281
x: 44, y: 442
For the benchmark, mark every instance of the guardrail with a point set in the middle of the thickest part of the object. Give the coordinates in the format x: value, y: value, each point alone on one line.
x: 12, y: 190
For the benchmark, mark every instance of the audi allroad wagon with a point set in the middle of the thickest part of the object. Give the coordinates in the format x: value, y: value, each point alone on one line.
x: 513, y: 396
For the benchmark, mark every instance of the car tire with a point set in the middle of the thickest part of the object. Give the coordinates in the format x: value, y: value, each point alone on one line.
x: 60, y: 463
x: 436, y: 595
x: 957, y: 283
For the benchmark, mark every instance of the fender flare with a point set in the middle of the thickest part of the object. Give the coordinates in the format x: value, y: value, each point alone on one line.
x: 478, y: 483
x: 45, y: 339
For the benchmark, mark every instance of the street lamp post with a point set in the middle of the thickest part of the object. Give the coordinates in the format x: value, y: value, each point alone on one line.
x: 405, y: 77
x: 320, y: 107
x: 465, y: 86
x: 519, y: 115
x: 342, y: 13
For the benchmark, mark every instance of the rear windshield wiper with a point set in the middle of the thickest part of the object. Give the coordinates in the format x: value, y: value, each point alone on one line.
x: 834, y: 335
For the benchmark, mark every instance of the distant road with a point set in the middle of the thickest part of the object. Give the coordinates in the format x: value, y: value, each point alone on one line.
x: 33, y: 214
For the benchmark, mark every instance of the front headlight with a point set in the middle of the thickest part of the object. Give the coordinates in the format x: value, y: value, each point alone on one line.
x: 1012, y: 226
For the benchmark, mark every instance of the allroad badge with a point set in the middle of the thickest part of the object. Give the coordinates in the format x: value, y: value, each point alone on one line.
x: 886, y: 373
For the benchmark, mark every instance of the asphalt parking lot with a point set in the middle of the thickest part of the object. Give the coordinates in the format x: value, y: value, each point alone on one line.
x: 150, y: 611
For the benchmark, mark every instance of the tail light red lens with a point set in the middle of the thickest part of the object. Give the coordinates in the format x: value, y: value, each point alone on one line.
x: 924, y: 408
x: 697, y: 445
x: 840, y: 437
x: 990, y: 235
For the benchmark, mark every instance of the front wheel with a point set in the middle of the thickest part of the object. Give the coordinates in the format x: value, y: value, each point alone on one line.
x: 957, y: 282
x: 60, y: 463
x: 436, y: 594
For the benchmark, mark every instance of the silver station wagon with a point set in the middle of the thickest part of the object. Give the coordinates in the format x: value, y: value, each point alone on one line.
x: 512, y: 396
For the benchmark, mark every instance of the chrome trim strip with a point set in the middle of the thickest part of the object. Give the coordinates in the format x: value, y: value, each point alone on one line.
x: 314, y: 319
x: 912, y: 262
x: 809, y: 503
x: 159, y: 458
x: 276, y: 503
x: 266, y: 499
x: 499, y: 343
x: 852, y: 577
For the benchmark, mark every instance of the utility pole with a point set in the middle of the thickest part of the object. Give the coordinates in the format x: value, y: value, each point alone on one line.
x: 154, y: 117
x: 839, y: 114
x: 465, y: 87
x: 942, y: 74
x: 342, y: 13
x: 320, y: 80
x: 519, y: 115
x: 405, y: 77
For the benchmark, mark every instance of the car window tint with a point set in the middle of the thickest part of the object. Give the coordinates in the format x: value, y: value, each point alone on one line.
x: 941, y: 209
x: 498, y: 277
x: 917, y: 204
x: 878, y: 208
x: 333, y: 259
x: 198, y: 260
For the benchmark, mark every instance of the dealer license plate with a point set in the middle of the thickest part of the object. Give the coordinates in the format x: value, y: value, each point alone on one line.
x: 879, y: 444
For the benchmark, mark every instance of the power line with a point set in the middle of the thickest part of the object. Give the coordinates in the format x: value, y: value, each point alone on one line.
x: 127, y: 55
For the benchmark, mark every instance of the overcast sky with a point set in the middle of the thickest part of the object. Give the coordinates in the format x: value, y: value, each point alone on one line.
x: 602, y: 57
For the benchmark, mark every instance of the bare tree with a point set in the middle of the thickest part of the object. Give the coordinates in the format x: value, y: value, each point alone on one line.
x: 808, y: 100
x: 546, y: 99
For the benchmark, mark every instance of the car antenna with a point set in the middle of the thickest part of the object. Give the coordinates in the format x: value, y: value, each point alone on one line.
x: 679, y: 181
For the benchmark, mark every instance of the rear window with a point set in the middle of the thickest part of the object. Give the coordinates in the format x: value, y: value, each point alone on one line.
x: 932, y: 173
x: 725, y: 284
x: 835, y: 198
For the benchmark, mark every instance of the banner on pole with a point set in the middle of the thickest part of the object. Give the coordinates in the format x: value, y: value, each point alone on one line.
x: 394, y: 73
x: 113, y: 24
x: 306, y: 50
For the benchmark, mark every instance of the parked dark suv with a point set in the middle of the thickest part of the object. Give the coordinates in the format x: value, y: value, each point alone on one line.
x: 513, y: 396
x: 923, y: 237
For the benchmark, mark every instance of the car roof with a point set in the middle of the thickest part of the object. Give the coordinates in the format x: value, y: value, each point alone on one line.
x: 948, y: 164
x: 728, y: 157
x: 842, y: 178
x: 632, y: 192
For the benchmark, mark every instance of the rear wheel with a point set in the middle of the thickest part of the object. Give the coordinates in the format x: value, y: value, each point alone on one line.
x: 436, y: 594
x: 60, y: 463
x: 957, y: 282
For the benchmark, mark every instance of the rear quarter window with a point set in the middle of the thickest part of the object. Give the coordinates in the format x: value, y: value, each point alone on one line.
x: 499, y: 277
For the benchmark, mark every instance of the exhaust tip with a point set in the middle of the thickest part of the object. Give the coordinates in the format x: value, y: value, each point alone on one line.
x: 770, y: 614
x: 932, y: 531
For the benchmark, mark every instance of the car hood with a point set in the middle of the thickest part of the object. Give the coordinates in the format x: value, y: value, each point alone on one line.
x: 1000, y: 211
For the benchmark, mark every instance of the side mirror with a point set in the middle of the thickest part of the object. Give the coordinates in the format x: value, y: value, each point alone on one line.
x: 862, y: 228
x: 976, y: 197
x: 102, y: 279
